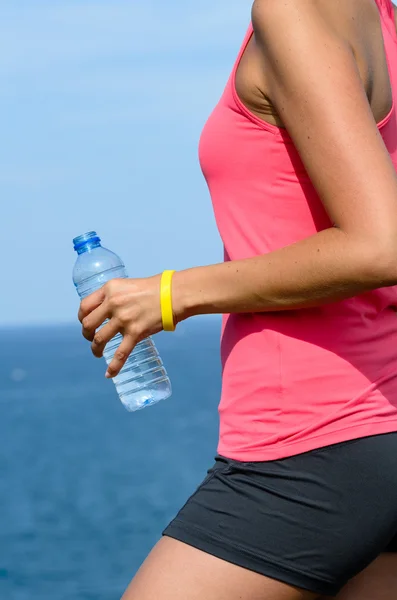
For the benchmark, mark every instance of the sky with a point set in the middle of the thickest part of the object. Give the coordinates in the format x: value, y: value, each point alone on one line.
x: 102, y: 106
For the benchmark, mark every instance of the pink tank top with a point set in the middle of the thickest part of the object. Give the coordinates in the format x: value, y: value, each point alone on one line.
x: 297, y: 380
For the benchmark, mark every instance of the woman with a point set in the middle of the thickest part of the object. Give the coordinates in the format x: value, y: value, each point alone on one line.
x: 300, y: 156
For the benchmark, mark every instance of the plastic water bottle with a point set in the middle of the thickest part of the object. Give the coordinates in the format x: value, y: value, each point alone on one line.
x: 143, y: 380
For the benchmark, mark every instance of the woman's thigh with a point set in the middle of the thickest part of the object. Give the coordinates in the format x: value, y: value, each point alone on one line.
x: 176, y: 571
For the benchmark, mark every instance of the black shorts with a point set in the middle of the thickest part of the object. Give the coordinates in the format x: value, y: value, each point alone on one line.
x: 313, y: 520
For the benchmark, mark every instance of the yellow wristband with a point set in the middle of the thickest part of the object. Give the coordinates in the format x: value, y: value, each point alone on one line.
x: 166, y: 301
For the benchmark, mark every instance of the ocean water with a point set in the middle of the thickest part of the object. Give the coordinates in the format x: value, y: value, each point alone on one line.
x: 86, y: 487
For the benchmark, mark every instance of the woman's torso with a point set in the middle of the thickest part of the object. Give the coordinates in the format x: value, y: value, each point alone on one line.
x: 297, y: 380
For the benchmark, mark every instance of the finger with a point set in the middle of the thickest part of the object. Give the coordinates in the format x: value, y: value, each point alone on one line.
x: 120, y: 356
x: 103, y: 336
x: 90, y: 303
x: 94, y: 320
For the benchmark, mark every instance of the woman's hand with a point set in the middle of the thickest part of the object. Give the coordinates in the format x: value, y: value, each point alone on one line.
x: 133, y: 309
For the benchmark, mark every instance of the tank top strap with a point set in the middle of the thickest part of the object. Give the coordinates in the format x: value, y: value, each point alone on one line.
x: 389, y: 8
x: 386, y: 8
x: 245, y: 43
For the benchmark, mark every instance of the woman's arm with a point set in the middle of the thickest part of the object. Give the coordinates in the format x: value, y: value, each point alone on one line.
x: 316, y: 88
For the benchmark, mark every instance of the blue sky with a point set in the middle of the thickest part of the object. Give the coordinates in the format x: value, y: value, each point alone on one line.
x: 102, y: 105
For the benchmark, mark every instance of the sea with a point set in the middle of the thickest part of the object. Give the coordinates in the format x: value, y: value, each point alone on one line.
x: 86, y: 488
